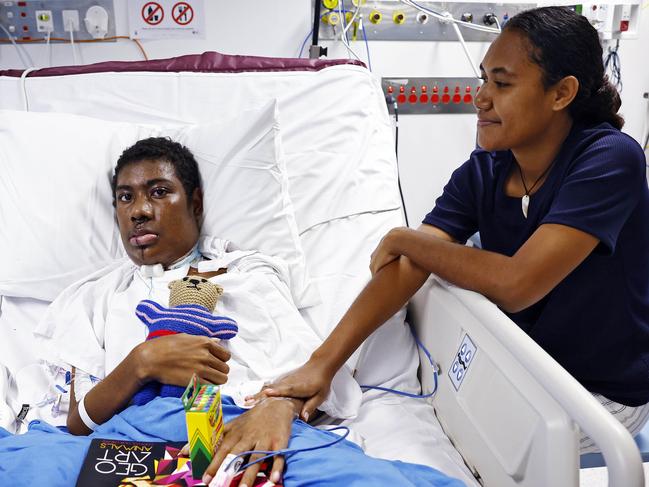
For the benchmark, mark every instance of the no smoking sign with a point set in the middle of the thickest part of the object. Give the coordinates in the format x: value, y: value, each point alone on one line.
x: 166, y: 19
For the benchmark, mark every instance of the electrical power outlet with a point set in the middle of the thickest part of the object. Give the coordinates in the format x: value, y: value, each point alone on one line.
x: 70, y: 20
x: 44, y: 21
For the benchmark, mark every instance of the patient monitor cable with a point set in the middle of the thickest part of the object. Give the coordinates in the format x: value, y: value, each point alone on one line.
x: 409, y: 394
x: 70, y: 29
x: 20, y: 53
x: 391, y: 100
x: 231, y: 465
x: 343, y: 35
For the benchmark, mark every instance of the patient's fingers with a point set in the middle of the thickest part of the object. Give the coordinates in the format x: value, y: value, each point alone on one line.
x: 219, y: 351
x: 213, y: 376
x: 278, y: 468
x: 222, y: 451
x: 249, y: 476
x: 218, y: 365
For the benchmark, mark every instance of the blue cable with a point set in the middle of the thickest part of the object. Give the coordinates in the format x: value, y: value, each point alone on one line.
x: 409, y: 394
x: 288, y: 451
x: 311, y: 32
x: 304, y: 42
x: 367, y: 48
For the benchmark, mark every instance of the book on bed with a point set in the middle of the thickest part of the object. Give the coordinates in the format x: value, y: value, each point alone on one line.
x: 120, y: 463
x: 115, y: 463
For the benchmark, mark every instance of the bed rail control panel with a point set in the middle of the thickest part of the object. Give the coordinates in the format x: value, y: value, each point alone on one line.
x: 462, y: 361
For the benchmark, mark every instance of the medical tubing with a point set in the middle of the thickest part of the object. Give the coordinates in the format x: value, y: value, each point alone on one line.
x: 307, y: 38
x: 391, y: 99
x: 406, y: 394
x: 13, y: 41
x: 440, y: 16
x: 74, y: 53
x: 288, y: 451
x: 460, y: 37
x: 343, y: 35
x: 351, y: 21
x: 49, y: 48
x: 299, y: 56
x: 367, y: 46
x: 410, y: 394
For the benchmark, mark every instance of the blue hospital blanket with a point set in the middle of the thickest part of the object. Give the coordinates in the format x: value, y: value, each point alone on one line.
x: 47, y: 456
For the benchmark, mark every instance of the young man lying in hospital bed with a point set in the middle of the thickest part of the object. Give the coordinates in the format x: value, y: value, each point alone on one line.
x: 93, y: 327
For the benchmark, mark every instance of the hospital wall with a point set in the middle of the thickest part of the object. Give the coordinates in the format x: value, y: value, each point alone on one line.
x: 430, y: 146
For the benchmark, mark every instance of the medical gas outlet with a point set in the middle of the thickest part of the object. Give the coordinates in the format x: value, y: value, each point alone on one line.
x: 429, y: 96
x: 390, y: 20
x: 44, y: 21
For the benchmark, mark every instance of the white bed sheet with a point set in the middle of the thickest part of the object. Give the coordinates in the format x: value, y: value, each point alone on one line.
x: 412, y: 432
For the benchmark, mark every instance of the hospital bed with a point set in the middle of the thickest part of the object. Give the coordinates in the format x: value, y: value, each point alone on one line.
x: 509, y: 410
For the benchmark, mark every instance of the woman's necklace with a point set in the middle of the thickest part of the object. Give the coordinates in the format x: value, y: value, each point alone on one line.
x: 525, y: 200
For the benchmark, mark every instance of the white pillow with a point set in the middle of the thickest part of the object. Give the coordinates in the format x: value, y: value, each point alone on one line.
x: 56, y: 217
x: 56, y: 211
x: 246, y: 189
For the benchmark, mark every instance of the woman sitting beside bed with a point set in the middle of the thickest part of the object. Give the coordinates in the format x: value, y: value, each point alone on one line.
x: 559, y: 196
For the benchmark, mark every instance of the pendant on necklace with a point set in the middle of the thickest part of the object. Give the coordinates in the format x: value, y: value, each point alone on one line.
x: 525, y: 204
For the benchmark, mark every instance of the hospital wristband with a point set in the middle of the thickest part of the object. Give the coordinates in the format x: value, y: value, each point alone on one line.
x: 83, y: 414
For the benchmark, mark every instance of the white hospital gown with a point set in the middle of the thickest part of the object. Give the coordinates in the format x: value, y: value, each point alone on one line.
x: 92, y: 326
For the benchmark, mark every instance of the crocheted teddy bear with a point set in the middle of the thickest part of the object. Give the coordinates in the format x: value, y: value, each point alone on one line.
x: 191, y: 303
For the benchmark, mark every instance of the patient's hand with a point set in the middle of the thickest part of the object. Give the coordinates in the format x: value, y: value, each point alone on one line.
x: 311, y: 382
x: 173, y: 359
x: 267, y: 426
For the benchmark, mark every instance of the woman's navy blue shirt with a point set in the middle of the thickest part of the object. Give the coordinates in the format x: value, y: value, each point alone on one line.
x: 595, y: 322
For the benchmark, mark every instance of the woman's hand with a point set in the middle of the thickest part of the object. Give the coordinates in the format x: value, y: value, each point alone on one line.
x: 311, y: 382
x: 387, y: 250
x: 267, y: 426
x: 172, y: 359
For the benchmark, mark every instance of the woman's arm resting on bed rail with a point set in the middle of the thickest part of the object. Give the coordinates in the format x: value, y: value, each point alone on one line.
x: 388, y: 290
x: 400, y: 265
x: 169, y: 359
x: 513, y: 283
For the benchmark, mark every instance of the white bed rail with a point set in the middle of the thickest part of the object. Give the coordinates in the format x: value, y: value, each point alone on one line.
x: 512, y: 415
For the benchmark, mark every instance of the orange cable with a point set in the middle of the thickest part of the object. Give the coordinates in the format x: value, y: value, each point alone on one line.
x: 62, y: 39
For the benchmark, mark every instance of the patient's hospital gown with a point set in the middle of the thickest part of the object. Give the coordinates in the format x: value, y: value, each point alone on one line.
x: 92, y: 325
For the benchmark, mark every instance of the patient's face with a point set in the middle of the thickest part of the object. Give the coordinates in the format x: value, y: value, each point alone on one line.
x: 157, y: 223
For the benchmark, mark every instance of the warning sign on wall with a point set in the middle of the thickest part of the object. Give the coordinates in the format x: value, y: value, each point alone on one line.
x: 166, y: 19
